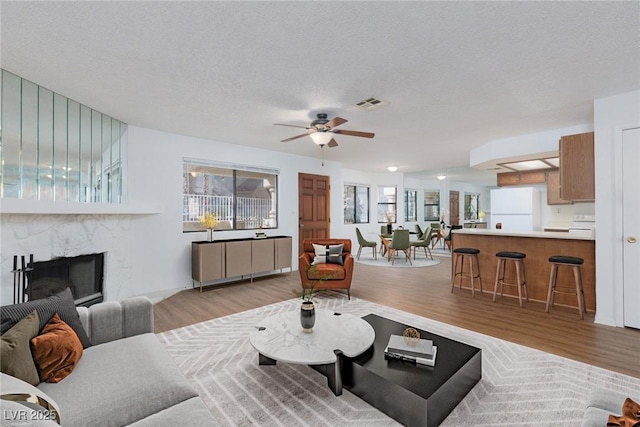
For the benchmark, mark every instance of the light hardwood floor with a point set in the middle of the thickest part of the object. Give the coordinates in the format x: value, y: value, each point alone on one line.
x: 427, y: 292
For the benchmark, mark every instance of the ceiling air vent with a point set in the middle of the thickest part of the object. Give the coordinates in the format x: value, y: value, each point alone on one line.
x: 370, y: 104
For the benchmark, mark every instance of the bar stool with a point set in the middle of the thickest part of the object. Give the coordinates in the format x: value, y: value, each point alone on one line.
x: 461, y: 254
x: 575, y: 263
x: 521, y: 281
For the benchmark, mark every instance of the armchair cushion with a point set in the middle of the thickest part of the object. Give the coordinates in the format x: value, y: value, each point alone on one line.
x: 326, y: 272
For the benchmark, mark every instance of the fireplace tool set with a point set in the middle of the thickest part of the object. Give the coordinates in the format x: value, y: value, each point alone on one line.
x: 21, y: 277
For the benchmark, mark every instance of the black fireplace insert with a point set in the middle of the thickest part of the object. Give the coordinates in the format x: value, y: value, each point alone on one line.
x: 84, y: 274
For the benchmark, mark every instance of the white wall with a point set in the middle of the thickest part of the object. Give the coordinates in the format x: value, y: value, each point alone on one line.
x: 147, y: 253
x: 371, y: 230
x: 611, y: 116
x: 160, y: 250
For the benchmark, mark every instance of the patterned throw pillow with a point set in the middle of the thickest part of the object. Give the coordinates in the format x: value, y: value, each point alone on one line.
x: 61, y: 303
x: 56, y: 351
x: 328, y: 254
x: 15, y: 353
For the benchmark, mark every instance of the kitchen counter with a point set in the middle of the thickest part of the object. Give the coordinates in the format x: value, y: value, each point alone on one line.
x: 538, y: 247
x: 540, y: 234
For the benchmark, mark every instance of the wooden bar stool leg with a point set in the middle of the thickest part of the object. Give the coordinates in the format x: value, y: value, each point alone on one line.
x: 495, y: 286
x: 455, y: 271
x: 518, y: 282
x: 524, y: 283
x: 473, y: 286
x: 577, y: 274
x: 552, y: 285
x: 478, y: 270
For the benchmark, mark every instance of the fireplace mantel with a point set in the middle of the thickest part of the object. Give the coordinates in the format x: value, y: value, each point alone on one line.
x: 39, y: 207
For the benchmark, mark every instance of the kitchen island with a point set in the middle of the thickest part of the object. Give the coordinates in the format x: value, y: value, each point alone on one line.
x: 538, y: 246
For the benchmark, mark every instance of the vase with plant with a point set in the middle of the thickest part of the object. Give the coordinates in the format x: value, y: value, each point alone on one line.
x: 209, y: 221
x: 307, y: 310
x: 307, y: 294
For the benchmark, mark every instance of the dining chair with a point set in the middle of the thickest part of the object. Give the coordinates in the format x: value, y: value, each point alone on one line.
x: 419, y: 232
x: 366, y: 244
x: 400, y: 242
x: 436, y: 233
x: 383, y: 231
x: 447, y: 238
x: 424, y: 243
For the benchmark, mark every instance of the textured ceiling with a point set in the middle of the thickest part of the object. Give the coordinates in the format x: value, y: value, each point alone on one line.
x: 455, y: 75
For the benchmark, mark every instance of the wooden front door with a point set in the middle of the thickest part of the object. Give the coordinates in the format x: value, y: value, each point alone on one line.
x: 313, y: 208
x: 454, y: 208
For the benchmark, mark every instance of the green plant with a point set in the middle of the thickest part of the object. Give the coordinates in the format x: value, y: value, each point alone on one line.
x: 308, y: 294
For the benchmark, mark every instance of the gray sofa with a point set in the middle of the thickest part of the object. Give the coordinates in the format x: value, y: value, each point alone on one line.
x: 602, y: 402
x: 126, y: 377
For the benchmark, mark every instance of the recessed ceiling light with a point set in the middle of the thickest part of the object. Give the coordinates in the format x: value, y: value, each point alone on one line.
x: 392, y: 168
x: 441, y: 176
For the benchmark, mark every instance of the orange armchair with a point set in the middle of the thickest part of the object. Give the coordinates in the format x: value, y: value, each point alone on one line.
x: 333, y: 276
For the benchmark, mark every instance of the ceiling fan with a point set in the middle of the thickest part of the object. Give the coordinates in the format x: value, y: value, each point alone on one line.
x: 321, y: 130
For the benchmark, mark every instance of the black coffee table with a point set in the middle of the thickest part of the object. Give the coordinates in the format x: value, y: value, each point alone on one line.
x: 414, y: 395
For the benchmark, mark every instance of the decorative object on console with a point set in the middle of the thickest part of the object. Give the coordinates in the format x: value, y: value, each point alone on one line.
x: 209, y: 221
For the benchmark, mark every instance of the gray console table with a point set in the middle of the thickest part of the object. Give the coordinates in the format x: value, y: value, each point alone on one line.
x: 233, y: 258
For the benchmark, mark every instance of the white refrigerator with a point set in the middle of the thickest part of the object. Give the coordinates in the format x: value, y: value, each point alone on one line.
x: 517, y: 209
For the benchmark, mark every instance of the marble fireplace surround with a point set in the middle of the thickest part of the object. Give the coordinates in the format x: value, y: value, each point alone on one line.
x: 49, y: 236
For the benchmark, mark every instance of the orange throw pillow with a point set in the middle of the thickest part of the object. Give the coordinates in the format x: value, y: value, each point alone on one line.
x: 56, y: 351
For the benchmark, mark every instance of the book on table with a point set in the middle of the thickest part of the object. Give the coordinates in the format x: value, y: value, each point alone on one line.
x: 429, y: 360
x: 419, y: 351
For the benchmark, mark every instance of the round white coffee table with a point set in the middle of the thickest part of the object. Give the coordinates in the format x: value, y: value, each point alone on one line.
x: 280, y: 338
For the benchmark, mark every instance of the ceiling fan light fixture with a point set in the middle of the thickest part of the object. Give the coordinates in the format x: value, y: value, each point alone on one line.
x: 321, y: 138
x: 392, y: 168
x: 441, y: 176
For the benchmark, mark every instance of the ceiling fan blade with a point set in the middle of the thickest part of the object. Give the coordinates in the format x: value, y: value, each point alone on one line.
x: 291, y: 126
x: 336, y: 121
x: 354, y: 133
x: 294, y: 137
x: 332, y: 143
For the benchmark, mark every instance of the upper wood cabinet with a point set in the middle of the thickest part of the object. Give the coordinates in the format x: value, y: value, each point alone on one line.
x: 521, y: 178
x: 577, y: 168
x: 553, y: 189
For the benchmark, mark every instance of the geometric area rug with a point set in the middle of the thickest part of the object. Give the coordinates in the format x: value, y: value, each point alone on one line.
x: 520, y: 386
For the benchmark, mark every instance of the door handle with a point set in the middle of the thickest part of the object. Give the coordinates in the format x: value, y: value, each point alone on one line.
x: 301, y: 225
x: 631, y: 239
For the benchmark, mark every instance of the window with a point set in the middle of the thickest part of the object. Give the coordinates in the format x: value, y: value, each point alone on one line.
x: 356, y: 204
x: 387, y: 204
x: 242, y: 197
x: 432, y: 205
x: 410, y: 205
x: 471, y: 206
